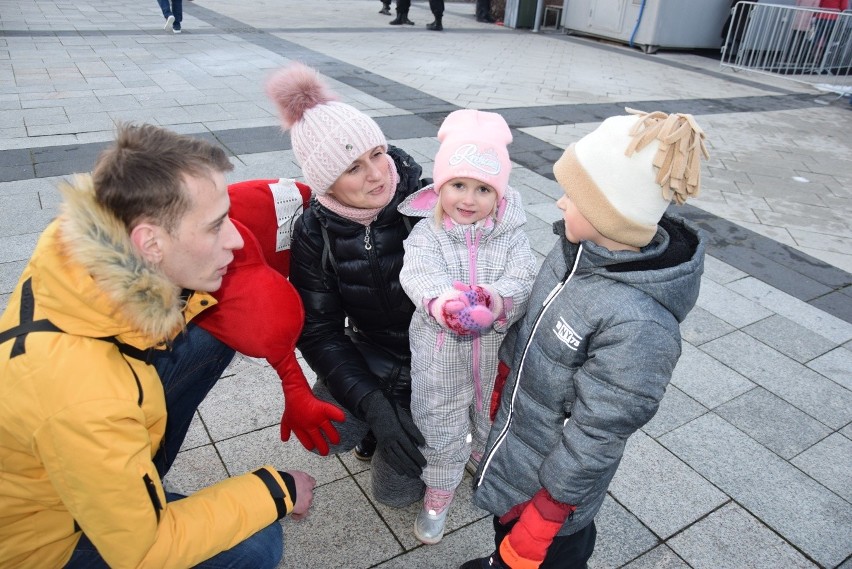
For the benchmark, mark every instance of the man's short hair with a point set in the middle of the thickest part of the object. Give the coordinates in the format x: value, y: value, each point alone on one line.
x: 141, y: 176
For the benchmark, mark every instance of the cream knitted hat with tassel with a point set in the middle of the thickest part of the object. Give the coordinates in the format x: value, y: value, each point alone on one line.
x: 623, y: 175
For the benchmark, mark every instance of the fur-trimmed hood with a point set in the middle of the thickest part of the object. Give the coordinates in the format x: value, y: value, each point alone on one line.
x: 89, y: 281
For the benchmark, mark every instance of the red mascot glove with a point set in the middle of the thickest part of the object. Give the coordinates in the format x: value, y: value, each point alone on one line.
x: 260, y: 314
x: 304, y: 415
x: 540, y: 519
x: 500, y: 381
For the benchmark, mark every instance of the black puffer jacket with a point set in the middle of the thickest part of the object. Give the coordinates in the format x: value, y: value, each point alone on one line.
x: 363, y: 285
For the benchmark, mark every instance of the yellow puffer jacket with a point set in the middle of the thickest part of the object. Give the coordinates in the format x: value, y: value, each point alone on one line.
x: 80, y: 422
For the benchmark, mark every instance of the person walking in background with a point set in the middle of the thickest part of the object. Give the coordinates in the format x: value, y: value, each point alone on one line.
x: 825, y: 20
x: 437, y: 8
x: 483, y: 12
x: 469, y: 270
x: 173, y: 13
x: 101, y: 371
x: 589, y: 366
x: 346, y: 256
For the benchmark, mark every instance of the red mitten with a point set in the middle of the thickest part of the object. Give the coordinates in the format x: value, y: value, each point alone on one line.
x: 502, y: 374
x: 525, y: 547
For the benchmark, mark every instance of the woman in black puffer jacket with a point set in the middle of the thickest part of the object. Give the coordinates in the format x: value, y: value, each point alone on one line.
x: 346, y: 256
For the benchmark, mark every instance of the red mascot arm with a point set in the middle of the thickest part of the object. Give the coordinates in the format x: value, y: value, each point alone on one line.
x: 260, y: 314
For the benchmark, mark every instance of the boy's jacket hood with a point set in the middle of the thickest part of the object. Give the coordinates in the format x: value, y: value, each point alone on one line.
x: 92, y: 282
x: 664, y: 269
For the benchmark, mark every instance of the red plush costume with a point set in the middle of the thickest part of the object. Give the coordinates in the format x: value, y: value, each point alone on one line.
x: 259, y: 313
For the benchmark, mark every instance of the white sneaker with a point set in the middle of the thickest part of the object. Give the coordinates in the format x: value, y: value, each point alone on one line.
x: 175, y: 30
x: 169, y: 22
x: 429, y: 524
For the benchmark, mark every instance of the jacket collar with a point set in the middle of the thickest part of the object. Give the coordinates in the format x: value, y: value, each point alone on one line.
x: 115, y: 290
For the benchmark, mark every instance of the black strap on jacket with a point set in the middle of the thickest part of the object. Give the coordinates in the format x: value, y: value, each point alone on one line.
x: 28, y: 325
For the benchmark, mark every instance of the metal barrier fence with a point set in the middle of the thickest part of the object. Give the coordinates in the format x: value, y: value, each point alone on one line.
x: 808, y: 45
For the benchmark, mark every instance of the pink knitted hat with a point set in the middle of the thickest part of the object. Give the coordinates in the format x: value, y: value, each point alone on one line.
x: 327, y: 135
x: 473, y: 145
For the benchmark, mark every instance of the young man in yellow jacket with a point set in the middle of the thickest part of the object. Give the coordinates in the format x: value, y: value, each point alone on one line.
x: 101, y: 371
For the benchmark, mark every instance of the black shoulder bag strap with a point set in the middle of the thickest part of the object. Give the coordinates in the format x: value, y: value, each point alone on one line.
x: 327, y: 255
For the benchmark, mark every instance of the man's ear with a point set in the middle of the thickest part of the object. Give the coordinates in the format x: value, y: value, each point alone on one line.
x: 146, y: 240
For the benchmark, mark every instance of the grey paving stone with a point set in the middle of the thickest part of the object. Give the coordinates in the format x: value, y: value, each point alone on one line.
x: 195, y: 469
x: 705, y: 379
x: 835, y: 303
x: 729, y: 306
x: 17, y: 247
x: 835, y: 365
x: 314, y: 543
x: 803, y: 388
x: 790, y: 502
x: 773, y: 422
x: 17, y: 172
x: 846, y: 431
x: 401, y: 520
x: 700, y: 326
x: 547, y: 212
x: 196, y: 436
x: 621, y: 537
x: 676, y: 408
x: 470, y: 542
x: 732, y: 538
x: 794, y: 309
x: 246, y: 384
x: 789, y: 338
x: 659, y: 489
x: 9, y: 274
x: 830, y: 462
x: 247, y: 452
x: 22, y: 214
x: 661, y: 557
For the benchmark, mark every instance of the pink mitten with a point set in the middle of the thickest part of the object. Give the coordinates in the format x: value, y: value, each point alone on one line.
x: 464, y: 310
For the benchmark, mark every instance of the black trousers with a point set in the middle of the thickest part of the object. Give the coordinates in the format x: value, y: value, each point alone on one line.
x: 565, y: 552
x: 437, y: 7
x: 483, y: 8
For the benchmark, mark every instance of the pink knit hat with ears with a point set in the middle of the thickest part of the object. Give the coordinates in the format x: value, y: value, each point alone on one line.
x: 473, y: 145
x: 326, y: 135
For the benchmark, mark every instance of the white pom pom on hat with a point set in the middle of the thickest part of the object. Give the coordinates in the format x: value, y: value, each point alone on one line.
x: 326, y: 135
x: 623, y: 175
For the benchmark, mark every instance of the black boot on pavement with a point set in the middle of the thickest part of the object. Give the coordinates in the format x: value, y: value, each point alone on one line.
x: 385, y: 9
x: 366, y: 448
x: 435, y: 26
x: 401, y: 18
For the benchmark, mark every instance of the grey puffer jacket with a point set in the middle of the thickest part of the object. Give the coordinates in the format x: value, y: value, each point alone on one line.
x: 590, y: 363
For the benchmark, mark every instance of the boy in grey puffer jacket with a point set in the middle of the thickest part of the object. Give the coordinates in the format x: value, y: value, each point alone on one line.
x: 591, y: 359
